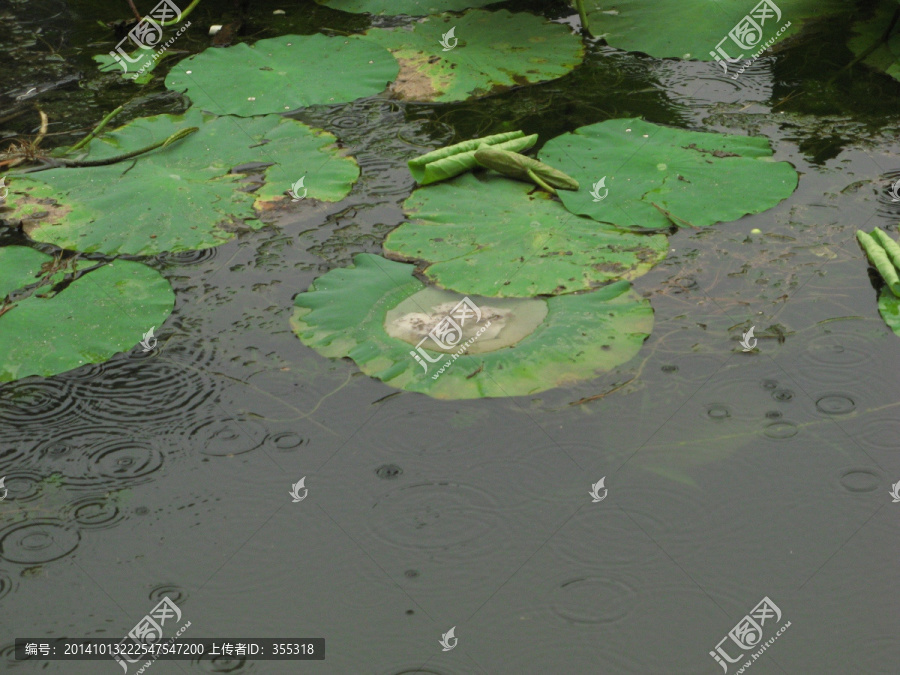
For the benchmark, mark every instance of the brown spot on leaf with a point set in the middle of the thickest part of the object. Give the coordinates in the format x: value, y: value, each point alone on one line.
x: 412, y: 83
x: 35, y: 212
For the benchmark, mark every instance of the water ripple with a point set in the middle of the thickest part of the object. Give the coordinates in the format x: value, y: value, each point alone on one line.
x: 37, y: 542
x: 35, y: 402
x: 436, y: 515
x: 144, y: 394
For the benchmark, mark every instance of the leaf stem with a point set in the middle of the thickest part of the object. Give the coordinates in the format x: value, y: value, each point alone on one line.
x: 187, y: 11
x: 87, y: 139
x: 582, y: 14
x: 57, y: 162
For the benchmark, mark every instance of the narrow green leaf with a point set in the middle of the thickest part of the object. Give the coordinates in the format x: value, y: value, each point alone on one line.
x: 880, y: 261
x: 453, y: 160
x: 522, y: 167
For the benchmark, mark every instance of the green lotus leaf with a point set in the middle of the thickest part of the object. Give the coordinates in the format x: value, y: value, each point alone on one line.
x: 283, y: 73
x: 19, y: 266
x: 487, y: 235
x: 133, y: 71
x: 183, y: 196
x: 408, y: 7
x: 889, y: 308
x: 97, y: 314
x: 378, y: 314
x: 694, y: 28
x: 490, y: 52
x: 649, y: 176
x: 868, y: 33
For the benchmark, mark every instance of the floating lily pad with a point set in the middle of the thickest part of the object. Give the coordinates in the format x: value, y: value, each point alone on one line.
x: 283, y: 73
x: 694, y: 28
x: 658, y: 176
x: 408, y: 7
x: 490, y: 52
x: 889, y: 308
x: 349, y: 312
x: 487, y: 235
x: 183, y: 196
x: 19, y: 266
x: 97, y: 314
x: 869, y: 32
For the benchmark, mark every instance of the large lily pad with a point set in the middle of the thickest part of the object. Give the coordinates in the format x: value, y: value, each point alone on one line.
x: 494, y: 51
x: 694, y: 28
x: 886, y: 57
x: 408, y: 7
x: 346, y: 313
x: 55, y: 328
x: 19, y: 266
x: 487, y: 235
x: 283, y: 73
x: 183, y: 196
x: 658, y: 176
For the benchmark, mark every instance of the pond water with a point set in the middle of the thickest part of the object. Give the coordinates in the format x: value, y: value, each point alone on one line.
x: 729, y: 476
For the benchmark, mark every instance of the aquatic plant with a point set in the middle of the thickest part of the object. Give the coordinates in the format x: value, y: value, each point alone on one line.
x: 60, y: 314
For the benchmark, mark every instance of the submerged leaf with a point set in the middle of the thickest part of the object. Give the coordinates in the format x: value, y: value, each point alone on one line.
x: 496, y: 51
x: 659, y: 176
x: 487, y: 235
x: 139, y: 72
x: 283, y: 73
x: 95, y: 315
x: 694, y: 28
x: 868, y: 34
x: 409, y: 7
x: 361, y: 313
x: 183, y: 196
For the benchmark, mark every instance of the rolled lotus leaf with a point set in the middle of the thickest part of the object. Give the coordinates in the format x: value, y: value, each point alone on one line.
x: 879, y: 259
x: 524, y: 168
x: 889, y: 245
x: 453, y: 160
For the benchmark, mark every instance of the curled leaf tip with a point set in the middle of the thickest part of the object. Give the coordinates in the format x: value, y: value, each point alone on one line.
x: 514, y: 165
